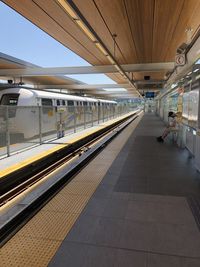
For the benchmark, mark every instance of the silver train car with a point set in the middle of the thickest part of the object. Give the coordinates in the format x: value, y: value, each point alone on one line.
x: 20, y: 107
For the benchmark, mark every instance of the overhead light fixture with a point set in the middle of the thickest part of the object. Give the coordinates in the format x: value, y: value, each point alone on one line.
x: 195, y: 70
x: 182, y: 48
x: 86, y: 31
x: 100, y: 47
x: 68, y: 9
x: 110, y: 59
x: 77, y: 19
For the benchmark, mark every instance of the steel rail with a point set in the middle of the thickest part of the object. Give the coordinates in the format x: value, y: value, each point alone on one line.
x: 10, y: 194
x: 65, y: 174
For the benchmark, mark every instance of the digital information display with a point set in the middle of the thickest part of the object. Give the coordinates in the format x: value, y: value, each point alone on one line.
x: 149, y: 94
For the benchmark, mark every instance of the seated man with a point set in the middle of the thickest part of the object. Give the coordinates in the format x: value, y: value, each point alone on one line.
x: 170, y: 128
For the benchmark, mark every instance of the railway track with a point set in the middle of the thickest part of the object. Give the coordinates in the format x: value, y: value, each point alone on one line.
x: 59, y: 167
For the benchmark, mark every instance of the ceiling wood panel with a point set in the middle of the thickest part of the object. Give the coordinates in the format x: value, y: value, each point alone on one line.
x: 147, y: 30
x: 140, y: 14
x: 166, y: 17
x: 189, y: 18
x: 115, y: 15
x: 90, y: 11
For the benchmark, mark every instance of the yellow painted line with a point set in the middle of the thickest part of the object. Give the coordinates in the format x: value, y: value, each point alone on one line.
x: 82, y: 135
x: 37, y: 242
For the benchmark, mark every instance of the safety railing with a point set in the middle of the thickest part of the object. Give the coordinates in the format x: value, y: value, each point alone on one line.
x: 24, y: 127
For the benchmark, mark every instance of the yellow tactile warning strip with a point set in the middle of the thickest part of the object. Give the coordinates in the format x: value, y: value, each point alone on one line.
x: 37, y: 242
x: 78, y: 136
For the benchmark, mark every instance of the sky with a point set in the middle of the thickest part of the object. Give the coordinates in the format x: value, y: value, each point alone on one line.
x: 22, y: 39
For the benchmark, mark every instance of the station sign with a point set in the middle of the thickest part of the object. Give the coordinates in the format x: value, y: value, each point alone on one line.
x: 61, y: 109
x: 149, y: 94
x: 180, y: 60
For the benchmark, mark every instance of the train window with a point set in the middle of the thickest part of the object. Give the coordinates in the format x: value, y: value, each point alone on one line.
x: 63, y: 102
x: 70, y: 104
x: 9, y: 99
x: 58, y: 102
x: 85, y: 103
x: 46, y: 102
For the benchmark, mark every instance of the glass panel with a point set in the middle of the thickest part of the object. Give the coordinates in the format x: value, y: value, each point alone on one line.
x: 49, y: 123
x: 69, y: 119
x: 79, y: 118
x: 3, y: 149
x: 23, y: 128
x: 95, y: 114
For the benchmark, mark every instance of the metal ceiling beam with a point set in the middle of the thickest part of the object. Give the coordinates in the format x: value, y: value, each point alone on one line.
x: 150, y: 89
x: 149, y: 82
x: 86, y: 69
x: 84, y: 86
x: 115, y: 93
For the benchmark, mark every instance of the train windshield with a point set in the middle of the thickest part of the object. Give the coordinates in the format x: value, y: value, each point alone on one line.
x: 9, y: 99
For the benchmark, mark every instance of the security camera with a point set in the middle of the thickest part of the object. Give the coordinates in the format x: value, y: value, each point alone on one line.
x: 182, y: 48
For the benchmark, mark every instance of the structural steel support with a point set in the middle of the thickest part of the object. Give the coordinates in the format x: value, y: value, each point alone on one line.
x: 150, y: 82
x: 115, y: 92
x: 84, y: 86
x: 85, y: 69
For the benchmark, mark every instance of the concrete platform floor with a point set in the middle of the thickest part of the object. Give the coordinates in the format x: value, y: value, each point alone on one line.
x: 139, y: 216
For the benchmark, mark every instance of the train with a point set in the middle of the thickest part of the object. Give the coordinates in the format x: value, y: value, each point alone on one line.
x: 19, y: 108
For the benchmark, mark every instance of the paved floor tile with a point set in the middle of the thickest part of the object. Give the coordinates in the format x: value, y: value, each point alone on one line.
x: 128, y: 258
x: 108, y: 232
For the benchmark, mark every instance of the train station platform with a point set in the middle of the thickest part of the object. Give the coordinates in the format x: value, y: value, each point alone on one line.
x: 139, y: 215
x: 135, y: 204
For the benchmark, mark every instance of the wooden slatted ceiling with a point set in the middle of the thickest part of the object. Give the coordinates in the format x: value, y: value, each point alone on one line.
x: 50, y: 17
x: 154, y: 75
x: 189, y: 17
x: 107, y: 18
x: 147, y: 30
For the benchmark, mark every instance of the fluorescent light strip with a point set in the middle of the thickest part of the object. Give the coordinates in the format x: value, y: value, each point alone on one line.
x: 110, y: 59
x: 195, y: 70
x: 100, y: 47
x: 85, y: 29
x: 77, y: 20
x: 68, y: 8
